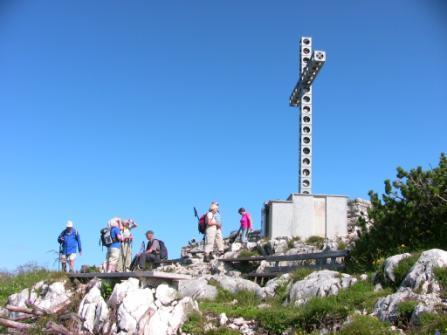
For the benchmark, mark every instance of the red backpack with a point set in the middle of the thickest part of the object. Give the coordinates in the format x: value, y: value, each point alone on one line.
x: 202, y: 224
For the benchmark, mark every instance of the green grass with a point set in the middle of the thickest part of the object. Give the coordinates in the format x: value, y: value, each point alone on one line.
x: 429, y: 323
x: 316, y: 241
x: 405, y: 310
x: 404, y: 267
x: 311, y: 316
x: 14, y: 283
x: 441, y: 277
x: 366, y: 325
x: 300, y: 274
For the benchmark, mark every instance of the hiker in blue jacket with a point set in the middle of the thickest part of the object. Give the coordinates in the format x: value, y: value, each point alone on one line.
x: 70, y: 242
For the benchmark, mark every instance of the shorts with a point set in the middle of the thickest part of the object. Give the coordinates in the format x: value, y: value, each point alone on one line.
x: 113, y: 255
x: 70, y: 257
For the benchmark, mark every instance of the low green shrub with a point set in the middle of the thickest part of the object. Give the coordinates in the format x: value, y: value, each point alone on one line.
x: 404, y: 267
x: 300, y: 274
x: 316, y: 241
x: 291, y: 242
x: 441, y: 277
x: 194, y: 324
x: 107, y: 286
x: 429, y: 323
x: 366, y: 325
x: 405, y: 310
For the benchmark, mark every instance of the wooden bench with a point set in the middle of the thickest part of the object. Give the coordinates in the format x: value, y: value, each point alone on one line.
x: 321, y: 262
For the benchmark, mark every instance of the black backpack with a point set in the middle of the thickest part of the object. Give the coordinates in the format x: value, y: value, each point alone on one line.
x: 106, y: 239
x: 163, y: 249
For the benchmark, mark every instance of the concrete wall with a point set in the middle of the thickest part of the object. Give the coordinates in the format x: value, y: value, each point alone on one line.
x: 307, y: 215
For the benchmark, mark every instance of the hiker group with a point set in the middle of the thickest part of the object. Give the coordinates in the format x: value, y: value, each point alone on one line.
x: 117, y: 237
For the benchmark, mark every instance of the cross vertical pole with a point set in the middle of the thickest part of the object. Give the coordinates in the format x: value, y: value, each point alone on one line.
x: 310, y: 64
x: 305, y: 124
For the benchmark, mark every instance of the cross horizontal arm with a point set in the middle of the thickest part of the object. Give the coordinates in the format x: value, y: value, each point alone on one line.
x: 308, y: 76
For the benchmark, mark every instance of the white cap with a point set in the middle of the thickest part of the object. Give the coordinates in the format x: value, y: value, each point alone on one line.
x: 69, y: 224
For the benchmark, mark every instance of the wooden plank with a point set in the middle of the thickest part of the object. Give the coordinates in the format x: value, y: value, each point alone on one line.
x: 126, y: 275
x: 287, y: 269
x: 296, y: 257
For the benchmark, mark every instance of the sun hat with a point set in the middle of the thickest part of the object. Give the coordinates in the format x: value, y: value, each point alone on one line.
x: 69, y: 224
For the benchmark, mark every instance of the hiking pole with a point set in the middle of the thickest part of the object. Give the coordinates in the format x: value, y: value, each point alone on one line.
x: 196, y: 214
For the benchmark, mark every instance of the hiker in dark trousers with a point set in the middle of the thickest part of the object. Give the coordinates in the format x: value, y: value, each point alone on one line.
x: 70, y: 242
x: 152, y: 253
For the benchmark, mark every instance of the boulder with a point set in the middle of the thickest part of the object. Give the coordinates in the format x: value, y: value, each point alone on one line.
x: 234, y: 285
x: 120, y: 291
x: 386, y: 308
x: 198, y: 289
x: 20, y: 299
x: 391, y: 263
x: 421, y: 276
x: 271, y: 286
x: 134, y: 306
x: 53, y: 296
x: 93, y: 310
x: 165, y: 294
x: 319, y: 284
x: 180, y: 314
x: 158, y: 323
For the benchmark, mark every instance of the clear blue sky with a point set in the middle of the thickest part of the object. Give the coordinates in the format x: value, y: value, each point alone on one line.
x: 143, y: 109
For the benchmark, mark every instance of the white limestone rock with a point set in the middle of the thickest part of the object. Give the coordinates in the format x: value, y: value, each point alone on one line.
x: 53, y: 296
x: 198, y: 289
x: 319, y: 284
x: 235, y: 285
x: 391, y: 263
x: 120, y: 291
x: 20, y: 299
x: 179, y: 315
x: 158, y: 323
x: 93, y: 310
x: 271, y: 286
x: 223, y: 319
x: 165, y: 294
x: 135, y: 304
x: 386, y: 308
x: 421, y: 276
x: 236, y: 246
x: 280, y: 246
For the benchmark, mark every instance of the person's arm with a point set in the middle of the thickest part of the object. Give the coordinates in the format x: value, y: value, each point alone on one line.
x: 60, y: 238
x: 78, y: 239
x: 250, y: 222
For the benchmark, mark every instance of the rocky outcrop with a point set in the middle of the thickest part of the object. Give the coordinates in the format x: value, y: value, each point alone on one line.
x: 234, y: 285
x: 319, y: 284
x: 391, y: 263
x: 93, y: 310
x: 421, y: 276
x: 197, y: 289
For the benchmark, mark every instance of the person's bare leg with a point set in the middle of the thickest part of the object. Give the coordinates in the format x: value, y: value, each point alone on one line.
x: 72, y: 265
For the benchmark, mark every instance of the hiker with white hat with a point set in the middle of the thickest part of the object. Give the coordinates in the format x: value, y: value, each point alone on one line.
x: 69, y: 242
x: 213, y: 235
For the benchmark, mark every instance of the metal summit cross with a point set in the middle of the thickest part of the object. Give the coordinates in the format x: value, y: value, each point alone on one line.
x: 310, y: 65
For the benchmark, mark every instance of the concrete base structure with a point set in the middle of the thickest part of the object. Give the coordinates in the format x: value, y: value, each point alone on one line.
x: 306, y: 215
